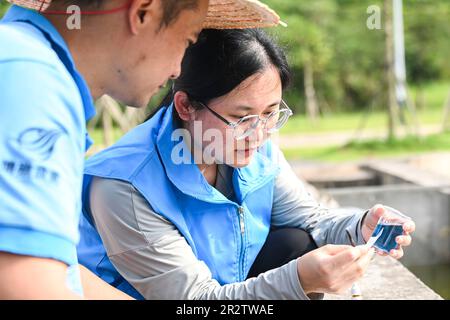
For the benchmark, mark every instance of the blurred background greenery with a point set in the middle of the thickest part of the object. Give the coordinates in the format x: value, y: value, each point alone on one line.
x: 346, y: 57
x: 341, y: 62
x: 3, y: 7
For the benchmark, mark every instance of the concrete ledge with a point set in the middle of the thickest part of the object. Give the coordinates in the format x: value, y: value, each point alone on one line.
x: 422, y: 193
x: 397, y: 172
x: 388, y: 279
x: 429, y: 207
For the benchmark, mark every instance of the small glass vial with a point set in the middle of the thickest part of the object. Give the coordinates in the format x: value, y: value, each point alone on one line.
x: 391, y: 226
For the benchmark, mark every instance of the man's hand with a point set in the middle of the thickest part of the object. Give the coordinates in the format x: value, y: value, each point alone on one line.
x: 332, y: 268
x: 29, y: 278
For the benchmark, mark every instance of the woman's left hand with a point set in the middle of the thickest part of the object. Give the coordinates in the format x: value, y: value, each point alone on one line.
x: 370, y: 222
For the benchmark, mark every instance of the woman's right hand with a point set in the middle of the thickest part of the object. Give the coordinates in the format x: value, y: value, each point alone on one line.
x: 333, y: 268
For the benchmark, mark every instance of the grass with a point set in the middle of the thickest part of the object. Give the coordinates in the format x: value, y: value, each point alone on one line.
x: 435, y: 94
x: 372, y: 149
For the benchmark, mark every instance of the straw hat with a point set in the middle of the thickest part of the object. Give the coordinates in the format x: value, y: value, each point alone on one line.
x: 222, y: 14
x: 240, y: 14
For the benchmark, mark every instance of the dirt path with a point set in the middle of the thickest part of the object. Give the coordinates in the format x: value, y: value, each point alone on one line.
x: 291, y: 141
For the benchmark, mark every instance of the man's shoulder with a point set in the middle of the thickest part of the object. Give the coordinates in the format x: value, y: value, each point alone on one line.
x: 21, y: 42
x: 28, y: 62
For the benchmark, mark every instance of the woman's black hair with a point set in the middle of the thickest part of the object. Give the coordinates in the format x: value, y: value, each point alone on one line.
x: 223, y: 59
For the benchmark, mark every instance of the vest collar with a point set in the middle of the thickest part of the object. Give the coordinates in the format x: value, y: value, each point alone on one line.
x: 188, y: 178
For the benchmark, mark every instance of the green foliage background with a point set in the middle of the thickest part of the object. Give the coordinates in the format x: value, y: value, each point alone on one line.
x: 347, y: 57
x: 3, y: 6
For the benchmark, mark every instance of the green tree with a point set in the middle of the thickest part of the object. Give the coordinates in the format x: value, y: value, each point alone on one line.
x: 3, y: 7
x: 309, y: 47
x: 348, y: 58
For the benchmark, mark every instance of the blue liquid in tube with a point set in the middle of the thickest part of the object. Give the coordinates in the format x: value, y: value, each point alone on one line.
x: 386, y: 242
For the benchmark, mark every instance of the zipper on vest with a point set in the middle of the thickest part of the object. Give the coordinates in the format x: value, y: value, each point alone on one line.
x: 241, y: 257
x: 241, y: 219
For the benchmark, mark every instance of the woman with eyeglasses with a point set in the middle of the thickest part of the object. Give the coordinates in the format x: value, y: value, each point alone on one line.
x: 198, y: 203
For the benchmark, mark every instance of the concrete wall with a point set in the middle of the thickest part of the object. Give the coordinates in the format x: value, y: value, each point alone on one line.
x: 387, y: 279
x: 428, y: 207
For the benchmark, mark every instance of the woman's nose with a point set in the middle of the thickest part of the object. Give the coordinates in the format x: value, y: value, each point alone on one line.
x: 258, y: 134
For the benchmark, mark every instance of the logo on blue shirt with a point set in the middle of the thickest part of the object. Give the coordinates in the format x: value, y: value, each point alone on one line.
x: 33, y: 146
x: 37, y: 142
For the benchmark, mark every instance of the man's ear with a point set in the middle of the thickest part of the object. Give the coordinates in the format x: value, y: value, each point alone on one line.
x: 143, y: 12
x: 183, y: 106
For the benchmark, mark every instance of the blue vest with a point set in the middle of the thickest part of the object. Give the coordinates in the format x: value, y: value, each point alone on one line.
x: 226, y: 235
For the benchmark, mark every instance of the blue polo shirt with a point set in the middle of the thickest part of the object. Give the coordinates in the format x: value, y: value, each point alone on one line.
x: 44, y: 106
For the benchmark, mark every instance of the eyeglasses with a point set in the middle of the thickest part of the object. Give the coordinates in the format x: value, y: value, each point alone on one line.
x: 247, y: 125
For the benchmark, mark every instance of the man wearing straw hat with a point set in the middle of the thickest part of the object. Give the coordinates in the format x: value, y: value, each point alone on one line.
x: 50, y: 74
